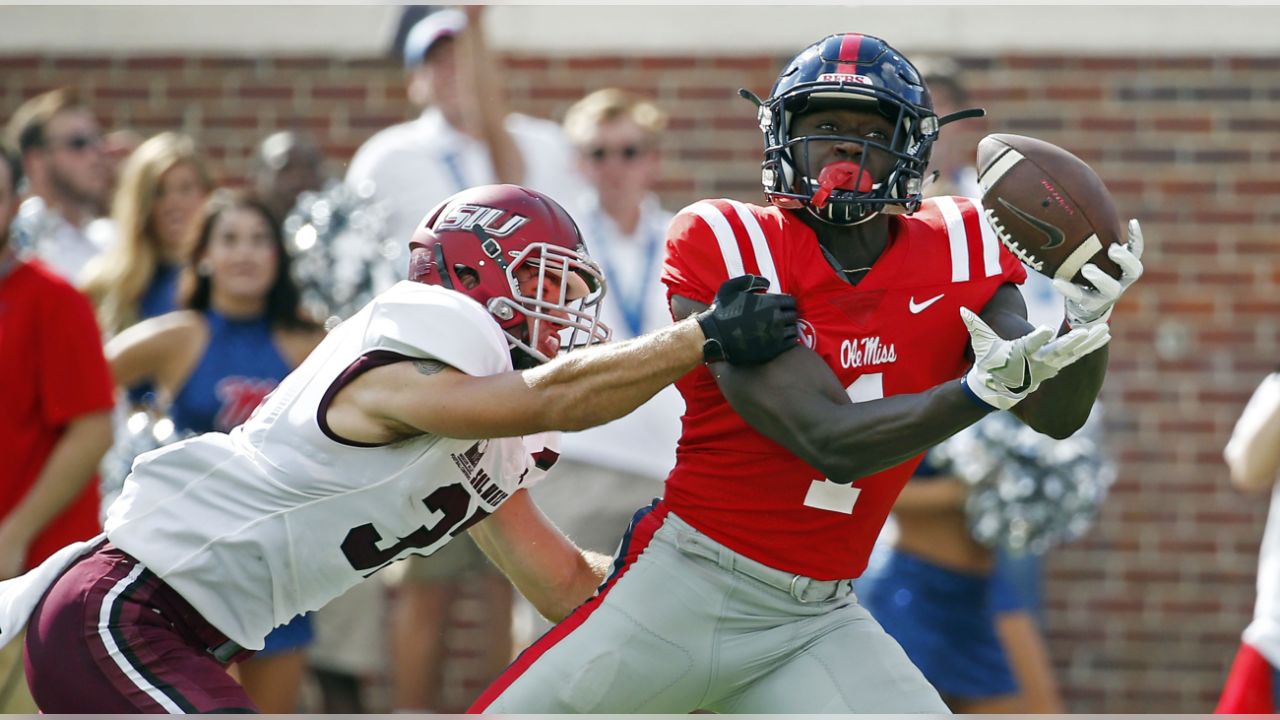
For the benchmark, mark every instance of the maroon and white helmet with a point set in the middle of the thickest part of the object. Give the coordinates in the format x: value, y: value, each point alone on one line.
x: 477, y: 240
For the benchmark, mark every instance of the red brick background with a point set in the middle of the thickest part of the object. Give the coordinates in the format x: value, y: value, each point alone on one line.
x: 1145, y: 613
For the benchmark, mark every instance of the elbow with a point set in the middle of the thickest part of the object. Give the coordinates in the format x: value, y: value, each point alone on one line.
x: 1058, y: 427
x: 96, y: 433
x: 843, y: 470
x: 838, y: 466
x: 1249, y: 478
x: 1062, y: 431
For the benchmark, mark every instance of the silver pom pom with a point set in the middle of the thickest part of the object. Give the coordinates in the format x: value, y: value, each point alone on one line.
x: 341, y: 255
x: 1028, y: 492
x: 137, y: 431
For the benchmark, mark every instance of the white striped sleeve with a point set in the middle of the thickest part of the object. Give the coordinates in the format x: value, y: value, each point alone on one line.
x: 759, y: 245
x: 724, y: 236
x: 990, y: 244
x: 957, y: 236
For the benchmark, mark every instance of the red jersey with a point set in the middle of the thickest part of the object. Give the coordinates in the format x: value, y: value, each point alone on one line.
x: 897, y: 331
x: 53, y: 369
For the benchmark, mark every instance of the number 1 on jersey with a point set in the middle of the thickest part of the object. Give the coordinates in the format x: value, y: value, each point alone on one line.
x: 837, y: 497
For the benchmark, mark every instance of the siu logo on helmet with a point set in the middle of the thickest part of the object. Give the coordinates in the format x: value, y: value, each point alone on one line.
x: 494, y: 221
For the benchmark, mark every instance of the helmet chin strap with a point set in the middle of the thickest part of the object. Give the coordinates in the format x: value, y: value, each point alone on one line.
x: 831, y: 208
x: 519, y: 342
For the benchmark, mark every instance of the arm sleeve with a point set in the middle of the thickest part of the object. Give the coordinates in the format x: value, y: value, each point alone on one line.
x: 74, y: 376
x: 423, y: 321
x: 694, y: 267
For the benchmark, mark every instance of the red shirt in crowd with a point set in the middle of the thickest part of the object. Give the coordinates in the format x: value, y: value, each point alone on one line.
x: 53, y: 371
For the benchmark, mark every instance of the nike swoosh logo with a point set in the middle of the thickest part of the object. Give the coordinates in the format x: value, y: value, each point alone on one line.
x: 1026, y: 379
x: 1056, y: 236
x: 916, y: 308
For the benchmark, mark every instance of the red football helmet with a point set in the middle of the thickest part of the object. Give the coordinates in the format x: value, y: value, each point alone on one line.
x: 478, y: 241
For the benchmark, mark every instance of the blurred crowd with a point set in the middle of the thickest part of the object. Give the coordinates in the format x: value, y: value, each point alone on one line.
x: 152, y: 304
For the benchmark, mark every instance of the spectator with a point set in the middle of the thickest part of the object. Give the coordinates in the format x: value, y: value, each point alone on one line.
x: 55, y: 421
x: 68, y: 180
x: 1253, y: 454
x: 162, y: 185
x: 285, y: 165
x: 239, y: 334
x: 464, y: 137
x: 607, y: 472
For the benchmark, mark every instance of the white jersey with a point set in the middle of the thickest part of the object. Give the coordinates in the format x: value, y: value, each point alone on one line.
x: 280, y: 516
x: 1263, y: 634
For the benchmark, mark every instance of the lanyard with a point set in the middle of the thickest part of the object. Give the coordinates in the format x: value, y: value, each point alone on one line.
x: 632, y: 304
x: 455, y: 171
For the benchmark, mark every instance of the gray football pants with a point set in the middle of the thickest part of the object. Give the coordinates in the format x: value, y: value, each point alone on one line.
x: 693, y: 625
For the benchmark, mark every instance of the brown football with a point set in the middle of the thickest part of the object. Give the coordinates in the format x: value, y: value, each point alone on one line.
x: 1047, y: 206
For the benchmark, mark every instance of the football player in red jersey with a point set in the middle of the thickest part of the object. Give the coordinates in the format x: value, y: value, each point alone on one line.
x: 732, y: 594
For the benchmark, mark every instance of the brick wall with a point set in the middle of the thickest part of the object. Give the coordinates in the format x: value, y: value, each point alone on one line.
x: 1145, y: 613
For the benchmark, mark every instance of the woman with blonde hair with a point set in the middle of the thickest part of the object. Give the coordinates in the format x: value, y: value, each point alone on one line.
x: 162, y: 186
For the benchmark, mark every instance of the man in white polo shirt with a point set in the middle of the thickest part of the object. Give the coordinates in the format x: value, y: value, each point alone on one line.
x: 464, y: 137
x: 616, y: 136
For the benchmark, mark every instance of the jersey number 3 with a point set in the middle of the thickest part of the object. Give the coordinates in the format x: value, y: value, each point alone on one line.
x: 841, y: 497
x: 362, y: 544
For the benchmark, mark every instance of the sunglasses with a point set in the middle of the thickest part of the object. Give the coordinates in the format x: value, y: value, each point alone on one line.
x: 627, y: 153
x: 78, y: 143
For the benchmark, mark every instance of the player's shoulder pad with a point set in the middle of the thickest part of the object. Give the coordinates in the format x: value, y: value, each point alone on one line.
x: 722, y: 222
x: 696, y: 222
x: 951, y: 213
x: 428, y: 321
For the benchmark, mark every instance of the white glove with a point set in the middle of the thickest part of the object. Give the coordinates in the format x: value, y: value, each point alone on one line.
x: 1005, y: 372
x: 1086, y: 306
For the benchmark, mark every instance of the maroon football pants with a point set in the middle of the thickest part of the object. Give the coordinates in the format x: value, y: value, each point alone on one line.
x: 111, y: 637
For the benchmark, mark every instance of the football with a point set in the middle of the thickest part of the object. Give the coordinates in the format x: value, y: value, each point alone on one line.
x: 1047, y: 206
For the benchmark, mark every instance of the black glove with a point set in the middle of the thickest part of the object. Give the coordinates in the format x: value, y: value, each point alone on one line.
x: 745, y: 326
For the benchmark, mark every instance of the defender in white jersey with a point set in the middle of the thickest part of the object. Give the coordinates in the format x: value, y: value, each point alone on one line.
x: 405, y: 427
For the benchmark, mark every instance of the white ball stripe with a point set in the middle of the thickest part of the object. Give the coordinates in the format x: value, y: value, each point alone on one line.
x: 997, y: 169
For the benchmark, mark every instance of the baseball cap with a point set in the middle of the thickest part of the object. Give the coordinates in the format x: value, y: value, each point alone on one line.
x: 438, y: 25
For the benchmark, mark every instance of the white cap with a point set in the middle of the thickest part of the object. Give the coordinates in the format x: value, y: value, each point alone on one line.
x: 436, y: 26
